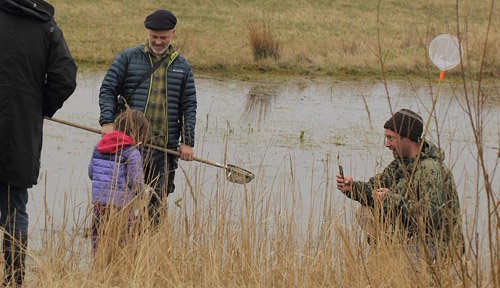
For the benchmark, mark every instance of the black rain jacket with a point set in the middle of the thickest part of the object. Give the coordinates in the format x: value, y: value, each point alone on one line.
x: 37, y: 74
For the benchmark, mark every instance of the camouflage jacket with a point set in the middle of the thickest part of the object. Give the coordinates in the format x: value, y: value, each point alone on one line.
x: 432, y: 200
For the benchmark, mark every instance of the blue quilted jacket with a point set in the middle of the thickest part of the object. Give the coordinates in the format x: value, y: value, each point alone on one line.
x: 128, y: 69
x: 115, y: 170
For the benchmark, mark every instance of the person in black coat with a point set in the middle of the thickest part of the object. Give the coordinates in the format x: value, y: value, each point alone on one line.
x: 37, y: 74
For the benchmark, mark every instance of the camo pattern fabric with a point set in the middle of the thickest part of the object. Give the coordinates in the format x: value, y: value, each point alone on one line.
x: 431, y: 204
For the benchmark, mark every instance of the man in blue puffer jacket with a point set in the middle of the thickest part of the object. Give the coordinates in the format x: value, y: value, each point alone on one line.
x: 166, y: 95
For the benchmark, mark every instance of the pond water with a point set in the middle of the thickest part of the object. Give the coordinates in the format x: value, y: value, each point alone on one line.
x: 275, y: 128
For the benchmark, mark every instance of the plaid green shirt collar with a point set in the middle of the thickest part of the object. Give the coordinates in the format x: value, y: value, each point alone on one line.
x: 157, y: 106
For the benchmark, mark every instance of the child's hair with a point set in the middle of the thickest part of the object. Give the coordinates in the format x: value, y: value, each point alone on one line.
x: 133, y: 123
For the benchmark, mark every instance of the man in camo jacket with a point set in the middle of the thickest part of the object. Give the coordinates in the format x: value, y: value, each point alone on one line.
x: 429, y: 210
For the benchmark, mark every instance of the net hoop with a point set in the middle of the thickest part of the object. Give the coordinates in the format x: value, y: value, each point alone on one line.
x: 238, y: 175
x: 445, y: 52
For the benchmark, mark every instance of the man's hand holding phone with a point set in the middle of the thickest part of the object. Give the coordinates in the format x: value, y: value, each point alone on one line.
x: 343, y: 183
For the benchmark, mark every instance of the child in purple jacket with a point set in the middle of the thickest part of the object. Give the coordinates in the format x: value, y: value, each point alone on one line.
x: 116, y: 173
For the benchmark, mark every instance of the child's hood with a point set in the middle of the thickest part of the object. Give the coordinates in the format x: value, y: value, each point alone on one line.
x: 114, y: 142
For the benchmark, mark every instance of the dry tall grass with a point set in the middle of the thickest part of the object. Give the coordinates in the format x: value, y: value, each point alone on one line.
x: 262, y: 41
x: 214, y: 239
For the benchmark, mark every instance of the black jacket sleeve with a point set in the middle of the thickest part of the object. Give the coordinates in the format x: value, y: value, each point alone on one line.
x: 60, y: 80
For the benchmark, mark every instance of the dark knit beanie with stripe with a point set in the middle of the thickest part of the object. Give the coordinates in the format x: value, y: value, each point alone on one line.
x: 406, y: 123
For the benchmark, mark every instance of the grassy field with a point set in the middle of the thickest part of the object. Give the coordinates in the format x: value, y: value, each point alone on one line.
x: 314, y: 37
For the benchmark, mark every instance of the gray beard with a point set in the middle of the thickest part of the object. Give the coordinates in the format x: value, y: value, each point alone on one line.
x: 161, y: 52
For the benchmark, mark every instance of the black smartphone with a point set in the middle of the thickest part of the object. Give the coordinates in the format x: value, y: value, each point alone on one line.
x: 341, y: 171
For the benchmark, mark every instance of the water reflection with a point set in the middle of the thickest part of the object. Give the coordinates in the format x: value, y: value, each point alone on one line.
x: 259, y: 101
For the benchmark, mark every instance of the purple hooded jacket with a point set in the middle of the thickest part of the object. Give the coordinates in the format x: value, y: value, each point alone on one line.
x: 115, y: 170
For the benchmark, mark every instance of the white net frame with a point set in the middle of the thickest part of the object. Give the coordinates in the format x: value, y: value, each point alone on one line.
x: 445, y: 51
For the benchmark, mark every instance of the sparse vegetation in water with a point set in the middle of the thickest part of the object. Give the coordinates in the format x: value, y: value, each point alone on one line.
x: 250, y: 129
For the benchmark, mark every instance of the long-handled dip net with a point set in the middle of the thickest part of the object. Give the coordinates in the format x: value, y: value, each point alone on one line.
x: 445, y: 52
x: 234, y: 173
